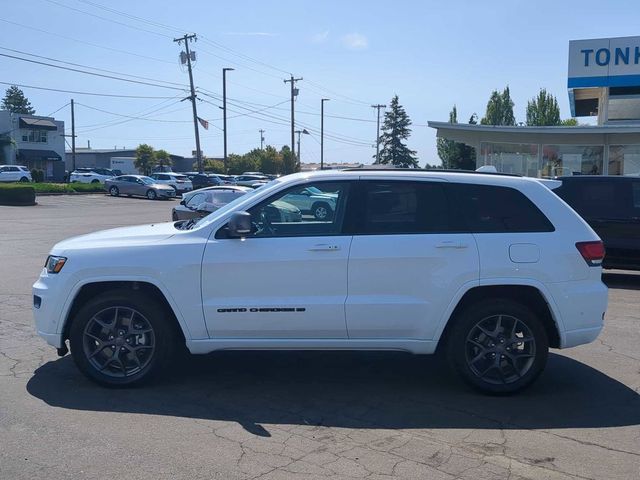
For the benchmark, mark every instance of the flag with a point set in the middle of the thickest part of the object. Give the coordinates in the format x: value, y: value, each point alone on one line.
x: 204, y: 123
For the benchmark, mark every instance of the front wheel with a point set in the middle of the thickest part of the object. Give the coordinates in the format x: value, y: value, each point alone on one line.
x: 24, y: 179
x: 95, y: 180
x: 114, y: 192
x: 151, y: 194
x: 121, y: 339
x: 498, y: 346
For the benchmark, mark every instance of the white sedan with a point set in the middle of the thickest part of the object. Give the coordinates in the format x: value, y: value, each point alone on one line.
x: 91, y: 175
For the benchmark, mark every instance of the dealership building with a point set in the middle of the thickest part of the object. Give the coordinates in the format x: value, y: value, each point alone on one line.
x: 603, y: 82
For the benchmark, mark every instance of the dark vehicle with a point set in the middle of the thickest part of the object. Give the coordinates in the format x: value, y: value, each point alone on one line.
x: 611, y: 205
x: 202, y: 180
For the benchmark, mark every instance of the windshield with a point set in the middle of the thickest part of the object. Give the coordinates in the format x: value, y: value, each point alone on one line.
x: 232, y: 205
x: 147, y: 180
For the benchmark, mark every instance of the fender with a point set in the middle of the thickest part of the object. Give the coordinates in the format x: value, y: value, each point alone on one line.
x: 189, y: 335
x: 526, y: 282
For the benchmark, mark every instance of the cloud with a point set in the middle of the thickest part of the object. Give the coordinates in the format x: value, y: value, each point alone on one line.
x: 320, y: 37
x: 355, y: 41
x: 252, y: 34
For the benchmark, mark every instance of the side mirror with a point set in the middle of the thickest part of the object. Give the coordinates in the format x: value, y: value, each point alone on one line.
x: 239, y: 224
x: 182, y: 202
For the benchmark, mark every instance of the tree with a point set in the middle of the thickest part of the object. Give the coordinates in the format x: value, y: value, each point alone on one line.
x: 271, y: 161
x: 211, y: 165
x: 543, y: 110
x: 15, y: 101
x: 499, y: 109
x: 145, y: 158
x: 396, y: 129
x: 289, y: 162
x: 238, y: 164
x: 163, y: 158
x: 455, y: 155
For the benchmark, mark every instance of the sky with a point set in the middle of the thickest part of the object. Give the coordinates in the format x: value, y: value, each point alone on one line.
x: 431, y: 54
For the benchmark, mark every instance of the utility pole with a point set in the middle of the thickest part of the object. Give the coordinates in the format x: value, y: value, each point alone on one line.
x: 294, y: 92
x: 378, y: 107
x: 73, y: 137
x: 224, y: 112
x: 262, y: 138
x: 322, y: 132
x: 186, y: 39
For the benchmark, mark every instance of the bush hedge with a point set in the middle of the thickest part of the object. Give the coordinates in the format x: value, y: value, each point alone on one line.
x: 68, y: 187
x: 15, y: 194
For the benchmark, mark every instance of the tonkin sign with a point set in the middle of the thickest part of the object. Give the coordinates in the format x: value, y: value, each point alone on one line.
x: 604, y: 62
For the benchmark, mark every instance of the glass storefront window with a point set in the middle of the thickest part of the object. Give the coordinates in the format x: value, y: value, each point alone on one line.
x: 624, y: 160
x: 518, y: 158
x: 559, y: 160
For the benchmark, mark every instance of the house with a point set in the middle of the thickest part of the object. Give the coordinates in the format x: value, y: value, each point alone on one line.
x: 34, y: 141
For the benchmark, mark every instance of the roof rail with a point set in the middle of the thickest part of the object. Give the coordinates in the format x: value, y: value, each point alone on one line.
x: 436, y: 170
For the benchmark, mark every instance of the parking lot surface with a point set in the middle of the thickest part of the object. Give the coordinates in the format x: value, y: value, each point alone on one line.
x: 291, y: 415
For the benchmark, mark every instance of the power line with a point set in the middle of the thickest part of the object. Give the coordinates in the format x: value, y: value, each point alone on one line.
x: 95, y: 94
x: 88, y: 73
x: 137, y: 117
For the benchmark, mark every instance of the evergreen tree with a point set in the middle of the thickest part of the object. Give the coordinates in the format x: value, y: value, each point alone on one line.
x: 15, y: 101
x: 499, y: 109
x: 396, y: 129
x: 456, y: 155
x: 543, y: 110
x: 290, y: 163
x: 163, y: 158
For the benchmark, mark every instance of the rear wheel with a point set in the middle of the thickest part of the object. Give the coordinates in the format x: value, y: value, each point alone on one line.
x: 121, y: 339
x: 151, y: 194
x: 113, y: 191
x: 498, y: 346
x: 95, y: 180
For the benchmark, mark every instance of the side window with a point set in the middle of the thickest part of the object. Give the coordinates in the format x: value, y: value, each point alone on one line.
x: 283, y: 216
x: 495, y: 209
x: 195, y: 200
x: 399, y: 207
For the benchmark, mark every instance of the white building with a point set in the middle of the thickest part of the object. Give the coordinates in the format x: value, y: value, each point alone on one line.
x: 34, y: 141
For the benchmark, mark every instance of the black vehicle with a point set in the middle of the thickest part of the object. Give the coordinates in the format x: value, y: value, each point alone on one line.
x: 611, y: 205
x: 202, y: 180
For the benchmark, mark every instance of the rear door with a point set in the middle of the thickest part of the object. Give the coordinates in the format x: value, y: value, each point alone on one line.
x: 409, y: 257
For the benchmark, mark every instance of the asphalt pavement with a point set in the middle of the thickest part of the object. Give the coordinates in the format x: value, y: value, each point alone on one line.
x: 299, y: 415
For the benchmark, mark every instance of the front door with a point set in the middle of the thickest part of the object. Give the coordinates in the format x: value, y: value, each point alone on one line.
x: 287, y: 279
x: 409, y: 257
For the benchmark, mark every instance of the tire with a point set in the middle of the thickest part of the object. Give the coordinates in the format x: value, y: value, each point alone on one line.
x: 24, y: 180
x: 95, y: 181
x: 151, y: 194
x: 483, y: 346
x: 113, y: 191
x: 105, y: 350
x: 322, y: 211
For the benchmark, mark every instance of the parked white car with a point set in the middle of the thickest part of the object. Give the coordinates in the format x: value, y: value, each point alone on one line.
x: 492, y: 270
x: 14, y: 173
x: 179, y: 182
x: 91, y: 175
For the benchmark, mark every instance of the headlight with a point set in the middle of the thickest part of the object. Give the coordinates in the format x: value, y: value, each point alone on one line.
x: 54, y: 264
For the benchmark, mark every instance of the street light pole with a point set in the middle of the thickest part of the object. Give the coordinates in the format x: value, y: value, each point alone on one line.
x: 224, y: 112
x: 299, y: 132
x: 322, y: 132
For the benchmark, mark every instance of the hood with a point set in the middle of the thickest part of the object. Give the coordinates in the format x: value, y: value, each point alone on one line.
x: 125, y: 236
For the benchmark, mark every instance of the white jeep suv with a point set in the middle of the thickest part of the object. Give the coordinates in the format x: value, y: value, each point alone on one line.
x: 492, y: 270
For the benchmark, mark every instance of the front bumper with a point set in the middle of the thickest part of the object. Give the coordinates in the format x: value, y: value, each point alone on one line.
x: 166, y: 193
x: 47, y: 309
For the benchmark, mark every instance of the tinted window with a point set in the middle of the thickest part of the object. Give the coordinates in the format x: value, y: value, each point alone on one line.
x: 594, y: 198
x: 196, y: 200
x: 395, y: 207
x: 493, y: 209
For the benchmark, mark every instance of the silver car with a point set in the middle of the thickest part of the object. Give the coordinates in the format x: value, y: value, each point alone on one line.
x: 138, y: 185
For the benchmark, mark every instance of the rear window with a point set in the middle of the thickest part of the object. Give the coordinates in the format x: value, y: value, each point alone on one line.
x: 594, y: 198
x: 496, y: 209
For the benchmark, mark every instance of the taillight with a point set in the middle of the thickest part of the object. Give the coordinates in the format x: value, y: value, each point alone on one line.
x: 592, y: 252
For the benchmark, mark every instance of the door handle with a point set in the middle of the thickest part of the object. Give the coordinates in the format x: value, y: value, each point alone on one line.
x: 323, y: 247
x: 451, y: 244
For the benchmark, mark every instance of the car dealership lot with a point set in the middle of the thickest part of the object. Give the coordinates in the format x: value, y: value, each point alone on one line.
x: 299, y: 415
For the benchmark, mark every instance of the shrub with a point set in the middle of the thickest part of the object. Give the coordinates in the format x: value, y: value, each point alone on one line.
x: 13, y: 194
x: 37, y: 175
